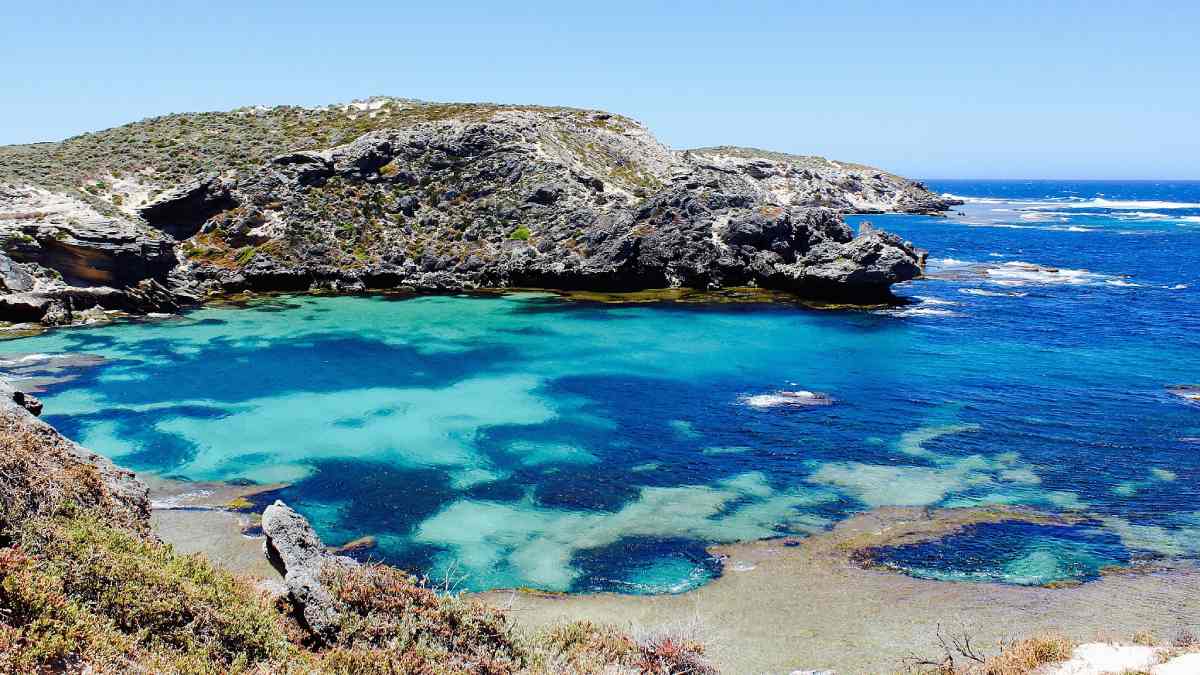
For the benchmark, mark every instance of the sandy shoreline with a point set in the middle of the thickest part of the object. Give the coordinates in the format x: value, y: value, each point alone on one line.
x: 785, y: 605
x: 196, y: 518
x: 789, y: 604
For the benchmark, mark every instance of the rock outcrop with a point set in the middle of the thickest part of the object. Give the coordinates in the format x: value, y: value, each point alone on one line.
x: 61, y: 257
x: 120, y: 495
x: 434, y: 197
x: 295, y: 550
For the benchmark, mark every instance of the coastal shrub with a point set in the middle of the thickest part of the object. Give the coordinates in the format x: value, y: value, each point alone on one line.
x: 1024, y: 656
x: 43, y: 629
x: 245, y: 255
x: 40, y: 476
x: 386, y: 610
x: 671, y: 650
x: 586, y: 647
x: 178, y: 609
x: 521, y: 233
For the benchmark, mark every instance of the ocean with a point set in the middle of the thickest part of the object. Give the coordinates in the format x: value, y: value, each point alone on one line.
x: 529, y: 440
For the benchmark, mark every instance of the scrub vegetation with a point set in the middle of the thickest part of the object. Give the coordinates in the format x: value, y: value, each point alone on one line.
x: 171, y: 149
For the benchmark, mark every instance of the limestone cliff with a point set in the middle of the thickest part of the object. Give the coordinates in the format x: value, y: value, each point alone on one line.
x: 391, y: 193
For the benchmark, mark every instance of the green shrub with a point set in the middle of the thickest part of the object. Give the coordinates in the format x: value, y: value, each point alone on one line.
x: 388, y: 610
x: 521, y: 233
x: 245, y: 255
x: 79, y: 591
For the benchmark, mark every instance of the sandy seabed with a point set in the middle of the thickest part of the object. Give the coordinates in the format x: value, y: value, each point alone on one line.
x: 792, y: 604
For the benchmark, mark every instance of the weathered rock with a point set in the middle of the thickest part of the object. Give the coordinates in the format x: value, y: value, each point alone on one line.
x: 465, y: 196
x: 127, y: 492
x: 1187, y: 392
x: 358, y: 545
x: 84, y: 246
x: 23, y: 307
x: 13, y: 277
x: 182, y: 210
x: 294, y: 549
x: 507, y: 204
x: 815, y: 181
x: 27, y: 401
x: 62, y: 305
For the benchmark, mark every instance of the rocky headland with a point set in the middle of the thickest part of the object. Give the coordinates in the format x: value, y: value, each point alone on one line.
x: 399, y: 194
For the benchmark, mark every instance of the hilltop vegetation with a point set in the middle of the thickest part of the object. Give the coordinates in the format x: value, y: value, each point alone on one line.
x: 394, y: 193
x: 172, y: 149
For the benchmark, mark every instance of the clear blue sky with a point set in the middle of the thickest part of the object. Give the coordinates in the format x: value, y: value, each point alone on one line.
x: 934, y: 89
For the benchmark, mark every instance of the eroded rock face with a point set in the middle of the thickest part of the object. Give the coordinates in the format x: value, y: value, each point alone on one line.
x: 436, y: 197
x: 815, y: 181
x: 62, y: 257
x: 61, y: 305
x: 83, y: 246
x: 557, y: 201
x: 181, y: 211
x: 294, y: 548
x: 14, y: 278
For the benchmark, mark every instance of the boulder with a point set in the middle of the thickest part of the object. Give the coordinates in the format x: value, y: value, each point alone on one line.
x: 295, y: 550
x: 13, y: 277
x: 181, y: 211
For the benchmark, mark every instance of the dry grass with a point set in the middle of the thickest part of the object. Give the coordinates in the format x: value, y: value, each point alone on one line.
x: 40, y: 476
x: 1022, y: 657
x: 77, y: 593
x: 960, y: 655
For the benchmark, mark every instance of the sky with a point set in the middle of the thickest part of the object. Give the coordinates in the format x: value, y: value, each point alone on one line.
x: 927, y: 89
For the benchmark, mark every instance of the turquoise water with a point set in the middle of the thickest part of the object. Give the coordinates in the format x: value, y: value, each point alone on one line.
x: 526, y: 440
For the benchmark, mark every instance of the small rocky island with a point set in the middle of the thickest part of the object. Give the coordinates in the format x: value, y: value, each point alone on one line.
x: 400, y: 194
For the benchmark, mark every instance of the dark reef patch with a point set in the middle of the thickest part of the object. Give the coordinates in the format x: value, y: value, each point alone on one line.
x: 1022, y: 553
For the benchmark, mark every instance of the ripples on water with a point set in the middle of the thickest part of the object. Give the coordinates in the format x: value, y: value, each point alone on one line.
x: 529, y: 441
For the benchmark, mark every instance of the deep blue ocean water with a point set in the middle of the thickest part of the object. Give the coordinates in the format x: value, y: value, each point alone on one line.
x: 526, y: 440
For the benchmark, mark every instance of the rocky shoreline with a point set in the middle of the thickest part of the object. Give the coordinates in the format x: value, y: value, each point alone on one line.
x: 428, y: 198
x: 780, y: 605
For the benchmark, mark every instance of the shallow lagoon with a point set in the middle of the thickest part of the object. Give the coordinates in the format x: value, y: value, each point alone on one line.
x: 527, y: 440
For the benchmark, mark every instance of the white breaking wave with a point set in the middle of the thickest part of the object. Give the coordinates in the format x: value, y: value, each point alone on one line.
x: 797, y: 398
x: 973, y: 200
x: 1077, y: 203
x: 179, y: 501
x: 997, y: 294
x: 947, y: 262
x: 1102, y: 203
x: 1191, y: 219
x: 925, y: 300
x: 919, y: 311
x: 25, y: 358
x: 1140, y: 215
x: 1042, y: 216
x: 1019, y: 273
